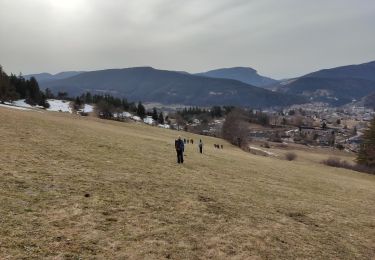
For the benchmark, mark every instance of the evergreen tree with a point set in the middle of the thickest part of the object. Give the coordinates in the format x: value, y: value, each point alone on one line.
x: 366, y: 155
x: 125, y: 104
x: 88, y: 98
x: 216, y: 111
x: 161, y: 118
x: 33, y: 92
x: 132, y: 107
x: 78, y: 103
x: 155, y: 114
x: 62, y: 95
x: 141, y: 111
x: 7, y: 90
x: 43, y: 101
x: 20, y: 84
x: 49, y: 94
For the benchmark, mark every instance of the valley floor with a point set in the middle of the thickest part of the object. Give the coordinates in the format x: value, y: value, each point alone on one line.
x: 75, y: 187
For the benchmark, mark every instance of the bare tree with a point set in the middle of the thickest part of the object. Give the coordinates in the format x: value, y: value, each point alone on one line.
x: 236, y: 128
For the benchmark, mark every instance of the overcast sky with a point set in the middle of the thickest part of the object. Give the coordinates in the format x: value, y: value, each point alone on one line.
x: 279, y: 38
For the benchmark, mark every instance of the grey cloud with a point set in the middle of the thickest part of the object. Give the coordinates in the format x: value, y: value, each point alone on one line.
x: 279, y: 38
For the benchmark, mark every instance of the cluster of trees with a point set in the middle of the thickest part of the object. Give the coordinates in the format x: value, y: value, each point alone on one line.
x: 259, y: 118
x: 7, y: 90
x: 17, y: 87
x: 188, y: 114
x: 158, y: 117
x: 107, y: 105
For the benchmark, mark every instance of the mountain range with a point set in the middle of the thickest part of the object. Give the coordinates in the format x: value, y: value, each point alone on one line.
x: 336, y: 86
x: 238, y: 86
x: 170, y: 87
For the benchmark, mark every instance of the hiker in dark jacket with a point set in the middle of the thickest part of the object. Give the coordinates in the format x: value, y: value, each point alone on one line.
x: 200, y: 145
x: 180, y: 147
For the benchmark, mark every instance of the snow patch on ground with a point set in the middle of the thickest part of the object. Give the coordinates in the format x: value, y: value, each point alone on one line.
x: 59, y: 106
x: 264, y: 151
x: 14, y: 107
x: 136, y: 118
x: 165, y: 126
x: 148, y: 120
x: 127, y: 114
x: 88, y: 108
x: 21, y: 103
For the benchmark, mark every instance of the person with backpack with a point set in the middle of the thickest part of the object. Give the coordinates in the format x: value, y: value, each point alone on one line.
x: 200, y: 145
x: 180, y: 147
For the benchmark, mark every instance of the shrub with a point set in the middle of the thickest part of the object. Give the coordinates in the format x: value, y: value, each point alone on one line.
x: 266, y: 145
x: 334, y: 162
x: 338, y: 163
x: 290, y: 156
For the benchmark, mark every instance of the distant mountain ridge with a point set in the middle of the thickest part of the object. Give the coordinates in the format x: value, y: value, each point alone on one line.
x: 43, y: 77
x: 244, y: 74
x: 336, y: 86
x: 169, y: 87
x: 361, y: 71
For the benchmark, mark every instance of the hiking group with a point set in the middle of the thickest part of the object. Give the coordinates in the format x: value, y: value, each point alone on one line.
x: 180, y: 147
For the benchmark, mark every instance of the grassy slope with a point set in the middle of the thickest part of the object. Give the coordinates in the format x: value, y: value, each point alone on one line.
x: 224, y: 204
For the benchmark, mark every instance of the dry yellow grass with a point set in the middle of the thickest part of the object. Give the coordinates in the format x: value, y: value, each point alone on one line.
x: 141, y: 204
x: 304, y: 153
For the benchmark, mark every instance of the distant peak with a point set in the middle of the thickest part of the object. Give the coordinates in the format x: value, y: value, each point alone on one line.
x: 240, y: 69
x: 143, y: 68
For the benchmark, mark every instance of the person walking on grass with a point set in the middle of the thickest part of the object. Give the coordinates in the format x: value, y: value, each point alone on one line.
x: 200, y: 145
x: 180, y: 147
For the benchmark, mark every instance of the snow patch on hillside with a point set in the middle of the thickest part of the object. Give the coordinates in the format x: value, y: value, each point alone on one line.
x: 59, y: 106
x: 164, y: 126
x: 148, y: 120
x: 88, y: 108
x: 263, y: 151
x: 136, y: 118
x: 21, y: 103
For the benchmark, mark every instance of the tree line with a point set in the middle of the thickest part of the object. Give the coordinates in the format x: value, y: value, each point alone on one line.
x: 17, y: 87
x: 107, y: 106
x: 188, y: 114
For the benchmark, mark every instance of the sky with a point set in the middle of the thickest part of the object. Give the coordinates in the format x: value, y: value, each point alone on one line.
x: 279, y: 38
